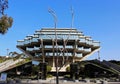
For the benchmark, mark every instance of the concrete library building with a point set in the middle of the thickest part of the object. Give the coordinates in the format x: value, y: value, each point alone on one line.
x: 58, y: 47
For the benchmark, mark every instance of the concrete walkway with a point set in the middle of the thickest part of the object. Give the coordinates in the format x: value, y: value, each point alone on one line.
x: 63, y: 81
x: 53, y: 81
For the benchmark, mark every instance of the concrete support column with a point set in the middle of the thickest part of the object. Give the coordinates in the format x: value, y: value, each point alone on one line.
x: 43, y: 55
x: 64, y: 51
x: 74, y: 47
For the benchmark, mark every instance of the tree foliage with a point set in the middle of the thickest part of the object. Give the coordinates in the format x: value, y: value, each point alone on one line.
x: 3, y: 6
x: 5, y: 21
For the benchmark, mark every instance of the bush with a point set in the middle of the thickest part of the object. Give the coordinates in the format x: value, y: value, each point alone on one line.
x: 68, y: 69
x: 49, y: 76
x: 49, y: 68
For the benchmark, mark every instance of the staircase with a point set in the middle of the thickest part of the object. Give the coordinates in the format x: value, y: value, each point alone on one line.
x: 7, y: 64
x: 111, y: 65
x: 62, y: 68
x: 108, y: 66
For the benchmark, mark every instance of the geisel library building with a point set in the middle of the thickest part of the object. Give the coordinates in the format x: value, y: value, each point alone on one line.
x: 68, y: 45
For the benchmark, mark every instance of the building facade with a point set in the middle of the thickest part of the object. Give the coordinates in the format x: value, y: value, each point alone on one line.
x: 65, y: 44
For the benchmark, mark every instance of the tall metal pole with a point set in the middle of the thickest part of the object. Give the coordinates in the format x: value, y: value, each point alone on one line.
x: 7, y: 51
x: 72, y: 12
x: 72, y: 21
x: 99, y: 55
x: 55, y: 24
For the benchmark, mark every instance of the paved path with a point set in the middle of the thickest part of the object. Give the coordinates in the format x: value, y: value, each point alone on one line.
x: 53, y: 81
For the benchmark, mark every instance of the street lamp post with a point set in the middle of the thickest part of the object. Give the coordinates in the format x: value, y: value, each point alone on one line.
x: 55, y: 24
x: 7, y: 51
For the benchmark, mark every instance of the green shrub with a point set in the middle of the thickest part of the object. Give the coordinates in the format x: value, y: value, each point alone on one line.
x: 68, y: 69
x: 49, y: 76
x: 49, y: 68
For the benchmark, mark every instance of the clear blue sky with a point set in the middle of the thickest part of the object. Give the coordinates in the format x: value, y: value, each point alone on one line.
x: 99, y: 19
